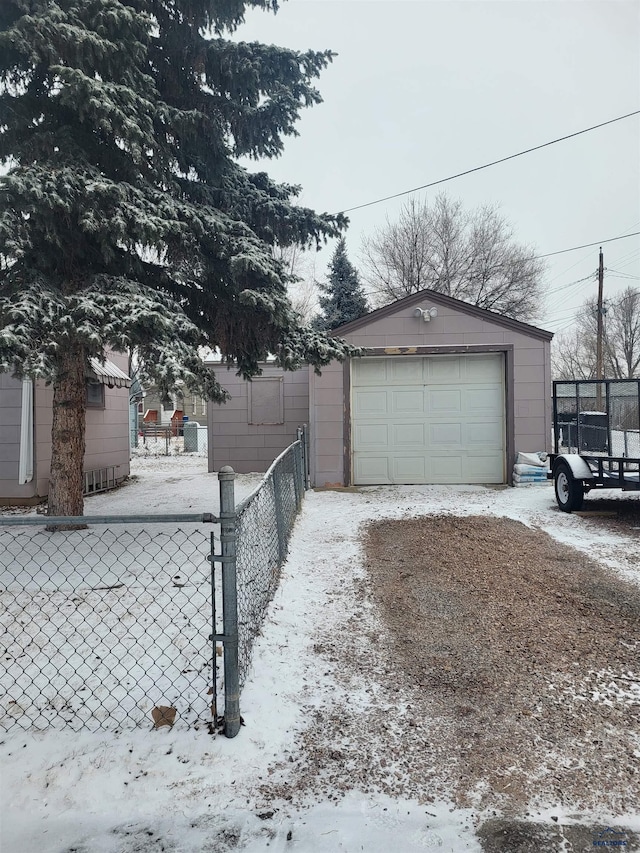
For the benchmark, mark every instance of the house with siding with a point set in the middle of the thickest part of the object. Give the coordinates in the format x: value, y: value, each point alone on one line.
x: 444, y: 392
x: 25, y: 432
x: 164, y: 411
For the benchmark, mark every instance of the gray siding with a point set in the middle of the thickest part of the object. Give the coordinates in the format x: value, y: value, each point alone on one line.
x: 324, y: 401
x: 10, y: 410
x: 251, y: 447
x: 451, y: 330
x: 107, y: 436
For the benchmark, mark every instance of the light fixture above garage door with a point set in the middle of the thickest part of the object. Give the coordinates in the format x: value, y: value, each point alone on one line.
x: 426, y: 313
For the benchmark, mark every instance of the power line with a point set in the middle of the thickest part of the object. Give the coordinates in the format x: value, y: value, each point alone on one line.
x: 629, y: 258
x: 561, y: 316
x: 487, y: 165
x: 588, y: 245
x: 562, y: 328
x: 572, y: 283
x: 618, y: 274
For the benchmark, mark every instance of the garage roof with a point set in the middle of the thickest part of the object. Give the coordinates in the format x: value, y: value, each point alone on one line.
x: 455, y: 304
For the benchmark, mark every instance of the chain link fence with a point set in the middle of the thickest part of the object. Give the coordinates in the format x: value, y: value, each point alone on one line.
x: 264, y: 524
x: 102, y: 625
x: 128, y: 622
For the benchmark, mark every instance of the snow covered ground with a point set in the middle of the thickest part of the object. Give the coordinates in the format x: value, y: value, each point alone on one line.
x: 185, y: 791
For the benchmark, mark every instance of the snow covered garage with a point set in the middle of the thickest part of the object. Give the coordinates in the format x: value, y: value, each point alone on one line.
x: 445, y: 393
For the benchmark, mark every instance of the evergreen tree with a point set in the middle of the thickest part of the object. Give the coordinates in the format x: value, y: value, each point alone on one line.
x: 345, y: 298
x: 126, y: 221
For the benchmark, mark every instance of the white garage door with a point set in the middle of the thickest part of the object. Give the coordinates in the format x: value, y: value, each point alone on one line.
x: 429, y: 419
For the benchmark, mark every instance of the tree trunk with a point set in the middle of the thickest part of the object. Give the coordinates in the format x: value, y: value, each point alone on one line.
x: 68, y: 434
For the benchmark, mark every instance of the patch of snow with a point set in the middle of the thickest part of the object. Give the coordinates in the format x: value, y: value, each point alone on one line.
x: 190, y: 792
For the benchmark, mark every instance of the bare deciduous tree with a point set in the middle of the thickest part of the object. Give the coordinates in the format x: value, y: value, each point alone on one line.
x: 622, y: 335
x: 471, y: 256
x: 300, y: 268
x: 574, y: 353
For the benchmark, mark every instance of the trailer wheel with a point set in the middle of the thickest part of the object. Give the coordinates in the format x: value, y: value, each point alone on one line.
x: 569, y: 491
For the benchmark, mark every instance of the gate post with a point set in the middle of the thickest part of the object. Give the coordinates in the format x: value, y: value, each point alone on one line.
x: 226, y: 477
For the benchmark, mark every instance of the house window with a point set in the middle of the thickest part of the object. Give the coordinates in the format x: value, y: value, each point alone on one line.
x: 266, y: 401
x: 95, y: 395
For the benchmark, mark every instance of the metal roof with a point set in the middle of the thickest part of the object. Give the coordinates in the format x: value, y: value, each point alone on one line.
x: 109, y: 374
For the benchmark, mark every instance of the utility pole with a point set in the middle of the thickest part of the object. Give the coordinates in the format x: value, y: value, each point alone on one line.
x: 599, y: 332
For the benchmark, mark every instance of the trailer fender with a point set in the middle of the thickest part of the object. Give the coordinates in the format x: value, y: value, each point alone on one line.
x: 579, y: 467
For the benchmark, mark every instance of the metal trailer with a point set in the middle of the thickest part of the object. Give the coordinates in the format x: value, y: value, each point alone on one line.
x: 596, y: 438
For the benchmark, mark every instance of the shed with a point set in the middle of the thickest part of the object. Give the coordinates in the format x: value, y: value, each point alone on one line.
x: 25, y: 432
x: 444, y: 393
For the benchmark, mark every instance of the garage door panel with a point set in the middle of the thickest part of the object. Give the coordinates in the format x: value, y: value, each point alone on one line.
x: 371, y: 436
x: 405, y: 371
x: 446, y: 469
x: 407, y: 435
x: 429, y: 419
x: 372, y: 470
x: 443, y: 401
x: 482, y: 469
x: 367, y: 403
x: 444, y: 369
x: 445, y: 435
x: 484, y: 368
x: 369, y: 371
x: 406, y: 468
x: 486, y: 399
x: 482, y: 433
x: 407, y: 402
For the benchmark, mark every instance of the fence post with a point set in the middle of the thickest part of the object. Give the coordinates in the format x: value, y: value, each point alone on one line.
x: 305, y: 444
x: 302, y: 438
x: 226, y: 476
x: 214, y: 636
x: 277, y: 499
x: 297, y: 476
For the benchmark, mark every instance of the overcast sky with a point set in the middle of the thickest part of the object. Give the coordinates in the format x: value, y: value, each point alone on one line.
x: 423, y: 89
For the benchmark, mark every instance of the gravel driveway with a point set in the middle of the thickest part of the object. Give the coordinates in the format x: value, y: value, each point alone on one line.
x: 482, y: 659
x: 526, y: 654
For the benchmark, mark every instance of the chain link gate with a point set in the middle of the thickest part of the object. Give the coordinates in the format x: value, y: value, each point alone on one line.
x: 102, y: 625
x: 126, y: 621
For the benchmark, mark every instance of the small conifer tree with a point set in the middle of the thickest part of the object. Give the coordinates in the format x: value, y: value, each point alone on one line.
x: 344, y: 298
